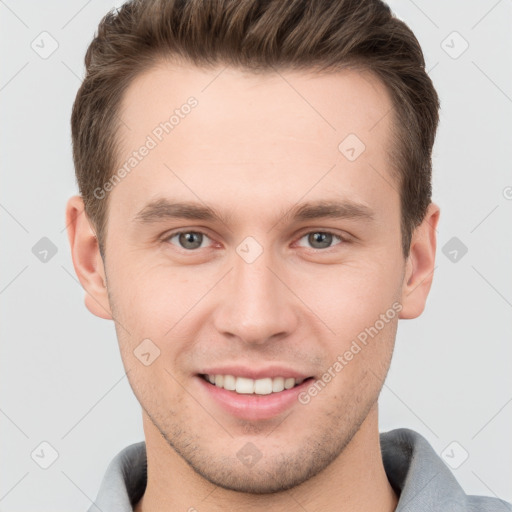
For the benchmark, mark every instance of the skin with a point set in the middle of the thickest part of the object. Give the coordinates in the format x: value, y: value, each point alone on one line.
x: 254, y: 146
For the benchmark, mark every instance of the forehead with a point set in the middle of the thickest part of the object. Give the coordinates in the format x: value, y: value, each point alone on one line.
x: 329, y: 104
x: 278, y: 131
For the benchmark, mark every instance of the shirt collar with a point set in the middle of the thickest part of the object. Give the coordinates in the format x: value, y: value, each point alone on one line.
x: 419, y: 477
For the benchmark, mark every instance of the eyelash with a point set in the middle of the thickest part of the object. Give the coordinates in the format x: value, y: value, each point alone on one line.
x: 343, y: 240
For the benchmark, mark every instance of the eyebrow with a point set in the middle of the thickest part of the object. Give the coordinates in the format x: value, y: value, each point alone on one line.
x: 164, y: 209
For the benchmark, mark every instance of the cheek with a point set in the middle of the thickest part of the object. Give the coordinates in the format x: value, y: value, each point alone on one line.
x: 159, y: 304
x: 154, y: 297
x: 350, y: 298
x: 360, y: 304
x: 355, y: 372
x: 156, y: 300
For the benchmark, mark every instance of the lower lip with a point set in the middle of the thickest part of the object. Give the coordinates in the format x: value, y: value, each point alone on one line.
x: 253, y: 407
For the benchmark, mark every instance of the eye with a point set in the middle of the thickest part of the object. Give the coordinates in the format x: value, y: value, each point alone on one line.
x: 188, y: 240
x: 321, y: 239
x: 192, y: 240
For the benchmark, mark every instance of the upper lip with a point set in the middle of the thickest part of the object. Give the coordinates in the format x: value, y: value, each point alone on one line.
x: 255, y: 373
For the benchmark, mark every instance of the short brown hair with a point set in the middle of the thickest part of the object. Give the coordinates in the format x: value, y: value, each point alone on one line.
x: 256, y: 35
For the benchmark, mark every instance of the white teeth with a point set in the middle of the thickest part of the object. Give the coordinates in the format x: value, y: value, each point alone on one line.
x: 246, y: 386
x: 229, y: 382
x: 263, y: 386
x: 289, y: 383
x: 277, y: 384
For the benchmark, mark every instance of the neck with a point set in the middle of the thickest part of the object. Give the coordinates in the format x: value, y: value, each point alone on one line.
x: 354, y: 481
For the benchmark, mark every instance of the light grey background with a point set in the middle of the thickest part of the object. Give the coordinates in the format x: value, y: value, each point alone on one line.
x: 62, y: 380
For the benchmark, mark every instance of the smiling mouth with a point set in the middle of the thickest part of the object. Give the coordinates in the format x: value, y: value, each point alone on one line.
x: 247, y: 386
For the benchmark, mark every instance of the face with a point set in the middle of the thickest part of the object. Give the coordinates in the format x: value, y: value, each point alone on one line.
x: 256, y: 239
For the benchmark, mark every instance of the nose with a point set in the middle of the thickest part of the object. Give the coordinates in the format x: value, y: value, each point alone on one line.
x: 256, y: 304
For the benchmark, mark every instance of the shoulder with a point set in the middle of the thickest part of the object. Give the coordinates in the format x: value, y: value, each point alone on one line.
x: 124, y: 481
x: 423, y: 481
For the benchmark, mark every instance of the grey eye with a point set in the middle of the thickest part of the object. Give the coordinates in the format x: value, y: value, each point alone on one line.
x: 189, y: 239
x: 320, y: 239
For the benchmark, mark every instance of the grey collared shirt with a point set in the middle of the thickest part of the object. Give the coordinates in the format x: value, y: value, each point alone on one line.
x: 418, y: 475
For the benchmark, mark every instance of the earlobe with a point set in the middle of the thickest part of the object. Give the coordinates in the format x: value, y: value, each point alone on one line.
x: 419, y: 268
x: 87, y: 259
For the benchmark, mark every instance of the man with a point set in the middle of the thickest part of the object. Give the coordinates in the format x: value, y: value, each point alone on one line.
x: 255, y: 216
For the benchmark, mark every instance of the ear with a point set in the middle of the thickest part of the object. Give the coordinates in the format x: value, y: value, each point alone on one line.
x: 87, y: 259
x: 419, y: 267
